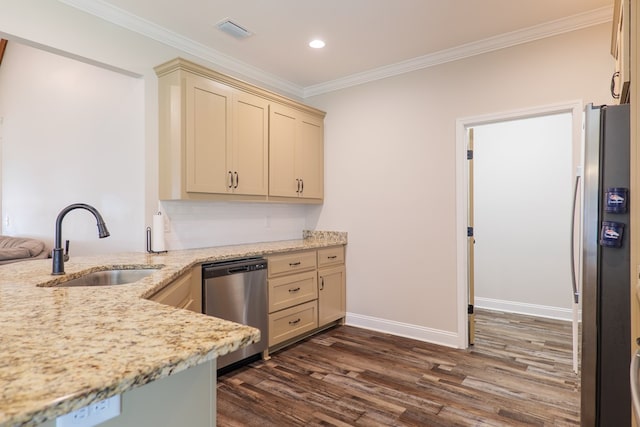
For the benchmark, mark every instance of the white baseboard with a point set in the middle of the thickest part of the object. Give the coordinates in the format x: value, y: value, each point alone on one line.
x: 407, y: 330
x: 525, y: 308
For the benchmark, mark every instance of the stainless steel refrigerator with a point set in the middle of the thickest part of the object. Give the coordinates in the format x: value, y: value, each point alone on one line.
x: 605, y: 395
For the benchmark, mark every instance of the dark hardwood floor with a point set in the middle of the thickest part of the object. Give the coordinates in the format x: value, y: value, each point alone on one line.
x: 517, y: 374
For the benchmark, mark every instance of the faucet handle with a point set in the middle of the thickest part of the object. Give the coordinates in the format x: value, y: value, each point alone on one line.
x: 66, y: 251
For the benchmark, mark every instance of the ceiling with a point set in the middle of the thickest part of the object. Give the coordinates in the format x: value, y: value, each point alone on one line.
x: 365, y: 39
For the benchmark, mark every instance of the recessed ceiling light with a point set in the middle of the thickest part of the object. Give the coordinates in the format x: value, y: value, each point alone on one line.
x: 316, y: 44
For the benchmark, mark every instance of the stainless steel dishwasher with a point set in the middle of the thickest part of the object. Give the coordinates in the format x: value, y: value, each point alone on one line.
x: 236, y: 290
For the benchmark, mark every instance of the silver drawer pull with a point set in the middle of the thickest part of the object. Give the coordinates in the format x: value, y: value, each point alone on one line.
x: 633, y: 379
x: 332, y: 257
x: 294, y: 290
x: 294, y: 264
x: 294, y: 322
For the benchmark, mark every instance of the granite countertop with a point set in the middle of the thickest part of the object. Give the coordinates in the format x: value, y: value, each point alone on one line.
x: 62, y: 348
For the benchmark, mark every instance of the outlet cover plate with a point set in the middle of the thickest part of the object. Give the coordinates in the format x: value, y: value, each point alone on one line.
x: 92, y: 415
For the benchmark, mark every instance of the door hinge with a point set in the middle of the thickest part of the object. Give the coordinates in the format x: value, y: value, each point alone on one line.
x: 469, y: 154
x: 469, y: 231
x: 470, y: 309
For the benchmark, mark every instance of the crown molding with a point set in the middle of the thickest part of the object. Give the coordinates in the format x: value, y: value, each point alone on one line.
x: 526, y: 35
x: 139, y: 25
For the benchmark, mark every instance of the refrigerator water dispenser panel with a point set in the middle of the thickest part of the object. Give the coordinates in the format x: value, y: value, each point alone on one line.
x: 611, y: 234
x: 617, y: 200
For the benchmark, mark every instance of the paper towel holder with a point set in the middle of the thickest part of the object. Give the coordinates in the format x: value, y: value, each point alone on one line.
x: 149, y: 250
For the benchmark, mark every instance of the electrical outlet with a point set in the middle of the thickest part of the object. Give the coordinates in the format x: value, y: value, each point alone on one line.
x: 91, y: 415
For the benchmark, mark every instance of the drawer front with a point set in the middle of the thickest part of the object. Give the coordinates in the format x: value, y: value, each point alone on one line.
x: 291, y: 322
x: 291, y: 263
x: 177, y: 293
x: 285, y: 292
x: 331, y: 256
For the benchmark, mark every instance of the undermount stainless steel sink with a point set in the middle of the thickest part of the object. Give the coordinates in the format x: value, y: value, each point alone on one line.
x: 110, y: 277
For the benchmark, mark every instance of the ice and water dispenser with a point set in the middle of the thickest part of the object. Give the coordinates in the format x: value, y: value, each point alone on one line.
x: 611, y: 232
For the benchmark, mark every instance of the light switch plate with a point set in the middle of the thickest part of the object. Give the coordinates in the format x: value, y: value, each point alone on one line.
x: 94, y: 414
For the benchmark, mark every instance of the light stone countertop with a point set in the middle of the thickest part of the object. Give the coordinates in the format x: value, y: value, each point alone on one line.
x: 62, y: 348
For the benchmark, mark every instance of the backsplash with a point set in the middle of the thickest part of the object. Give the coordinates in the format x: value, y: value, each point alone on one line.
x: 203, y: 224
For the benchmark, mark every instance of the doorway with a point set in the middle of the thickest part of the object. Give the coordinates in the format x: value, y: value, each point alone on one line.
x: 516, y: 257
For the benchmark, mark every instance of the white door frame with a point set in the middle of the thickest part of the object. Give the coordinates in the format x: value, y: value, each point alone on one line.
x: 462, y: 124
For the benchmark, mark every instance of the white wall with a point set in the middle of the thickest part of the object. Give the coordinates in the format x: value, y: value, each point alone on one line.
x: 523, y: 178
x: 133, y: 153
x: 72, y: 133
x: 390, y: 169
x: 389, y: 150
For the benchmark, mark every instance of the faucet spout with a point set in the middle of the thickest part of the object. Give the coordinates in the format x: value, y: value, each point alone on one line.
x: 57, y: 253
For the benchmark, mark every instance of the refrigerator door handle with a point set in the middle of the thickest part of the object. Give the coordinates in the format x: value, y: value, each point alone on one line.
x: 574, y: 283
x: 633, y: 379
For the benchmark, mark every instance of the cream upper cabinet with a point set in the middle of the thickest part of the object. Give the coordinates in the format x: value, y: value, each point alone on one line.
x: 225, y: 149
x: 296, y: 154
x: 250, y: 149
x: 208, y: 131
x: 224, y: 139
x: 621, y: 50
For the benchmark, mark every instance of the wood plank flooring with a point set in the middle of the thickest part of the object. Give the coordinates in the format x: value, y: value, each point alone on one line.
x: 517, y: 374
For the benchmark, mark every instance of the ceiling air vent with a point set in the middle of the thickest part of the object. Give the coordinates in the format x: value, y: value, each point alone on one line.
x: 233, y: 29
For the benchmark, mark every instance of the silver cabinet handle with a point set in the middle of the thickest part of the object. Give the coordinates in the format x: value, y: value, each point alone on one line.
x: 237, y: 177
x: 614, y: 94
x: 297, y: 185
x: 302, y: 186
x: 230, y: 180
x: 634, y: 370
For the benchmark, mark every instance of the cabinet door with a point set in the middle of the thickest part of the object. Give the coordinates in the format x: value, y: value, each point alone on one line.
x: 208, y: 126
x: 282, y: 143
x: 250, y: 144
x: 331, y: 294
x: 310, y: 157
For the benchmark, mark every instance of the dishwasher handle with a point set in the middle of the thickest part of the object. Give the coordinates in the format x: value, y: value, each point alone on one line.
x: 226, y: 268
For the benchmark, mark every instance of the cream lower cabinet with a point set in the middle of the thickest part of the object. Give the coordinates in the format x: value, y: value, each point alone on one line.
x: 306, y: 291
x: 293, y: 295
x: 184, y: 292
x: 332, y: 302
x: 331, y: 295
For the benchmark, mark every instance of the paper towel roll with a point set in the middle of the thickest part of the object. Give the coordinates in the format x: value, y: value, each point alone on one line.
x: 157, y: 236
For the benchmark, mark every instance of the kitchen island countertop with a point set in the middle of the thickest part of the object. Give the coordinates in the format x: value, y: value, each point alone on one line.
x: 62, y: 348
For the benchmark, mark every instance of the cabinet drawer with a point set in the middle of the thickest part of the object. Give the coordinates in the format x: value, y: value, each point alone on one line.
x: 290, y: 263
x: 331, y: 256
x: 285, y: 292
x: 291, y: 322
x: 177, y: 293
